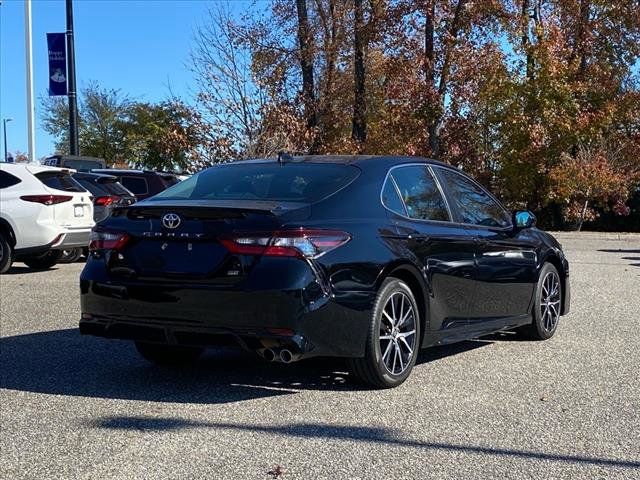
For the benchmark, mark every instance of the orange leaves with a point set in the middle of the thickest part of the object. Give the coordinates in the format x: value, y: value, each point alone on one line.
x: 592, y: 176
x: 507, y: 90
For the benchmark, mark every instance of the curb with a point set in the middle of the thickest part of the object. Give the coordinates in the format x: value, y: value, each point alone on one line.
x: 622, y: 236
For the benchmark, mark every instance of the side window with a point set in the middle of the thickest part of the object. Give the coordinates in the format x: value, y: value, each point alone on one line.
x: 390, y: 198
x: 7, y: 180
x: 137, y: 185
x: 474, y: 204
x: 420, y: 193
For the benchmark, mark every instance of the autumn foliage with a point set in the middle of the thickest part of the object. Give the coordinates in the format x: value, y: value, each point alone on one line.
x: 527, y: 95
x: 539, y: 99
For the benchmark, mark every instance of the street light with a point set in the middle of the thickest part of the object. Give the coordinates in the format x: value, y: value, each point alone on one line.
x: 4, y: 124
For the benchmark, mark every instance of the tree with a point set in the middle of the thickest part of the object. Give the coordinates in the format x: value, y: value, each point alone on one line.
x: 102, y: 113
x: 306, y: 54
x: 229, y: 98
x: 509, y: 90
x: 590, y: 177
x: 168, y: 135
x: 359, y: 121
x: 20, y: 157
x: 164, y: 136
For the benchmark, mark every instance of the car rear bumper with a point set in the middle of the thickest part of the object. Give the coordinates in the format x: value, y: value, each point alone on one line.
x: 301, y: 318
x: 73, y: 239
x: 61, y: 240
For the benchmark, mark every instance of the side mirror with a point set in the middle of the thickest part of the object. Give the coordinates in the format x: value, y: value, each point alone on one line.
x: 524, y: 219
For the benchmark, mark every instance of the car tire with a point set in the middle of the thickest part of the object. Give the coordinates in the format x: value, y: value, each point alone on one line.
x: 393, y: 338
x: 547, y: 306
x: 168, y: 355
x: 42, y: 261
x: 70, y: 256
x: 6, y: 254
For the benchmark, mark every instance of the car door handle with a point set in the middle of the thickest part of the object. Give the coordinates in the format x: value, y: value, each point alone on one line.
x: 480, y: 241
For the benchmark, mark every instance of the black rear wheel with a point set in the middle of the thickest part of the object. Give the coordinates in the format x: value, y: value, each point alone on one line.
x: 43, y: 261
x: 547, y: 306
x: 168, y: 355
x: 6, y: 254
x: 70, y: 256
x: 393, y: 338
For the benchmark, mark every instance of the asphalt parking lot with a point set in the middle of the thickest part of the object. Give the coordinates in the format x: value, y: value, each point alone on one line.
x: 80, y: 407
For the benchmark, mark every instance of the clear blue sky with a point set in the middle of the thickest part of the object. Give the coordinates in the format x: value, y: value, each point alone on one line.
x: 138, y: 46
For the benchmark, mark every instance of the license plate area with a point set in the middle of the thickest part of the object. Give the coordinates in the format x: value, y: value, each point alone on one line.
x: 178, y: 257
x: 78, y: 211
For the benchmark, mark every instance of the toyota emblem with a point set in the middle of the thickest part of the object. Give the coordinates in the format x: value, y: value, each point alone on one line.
x: 171, y: 220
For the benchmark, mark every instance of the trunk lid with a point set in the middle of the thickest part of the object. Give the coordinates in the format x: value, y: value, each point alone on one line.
x: 177, y: 239
x: 76, y: 213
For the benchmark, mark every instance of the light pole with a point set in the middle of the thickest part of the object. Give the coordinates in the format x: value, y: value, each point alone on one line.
x: 4, y: 124
x: 31, y: 125
x: 74, y: 148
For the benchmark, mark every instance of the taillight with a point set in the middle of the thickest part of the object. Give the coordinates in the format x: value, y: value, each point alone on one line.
x: 107, y: 240
x: 106, y: 200
x: 302, y: 243
x: 46, y: 199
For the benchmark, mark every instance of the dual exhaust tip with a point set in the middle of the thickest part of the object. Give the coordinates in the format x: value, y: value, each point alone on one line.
x: 283, y: 355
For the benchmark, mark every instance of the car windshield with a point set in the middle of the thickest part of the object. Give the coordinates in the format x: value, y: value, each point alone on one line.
x: 292, y: 182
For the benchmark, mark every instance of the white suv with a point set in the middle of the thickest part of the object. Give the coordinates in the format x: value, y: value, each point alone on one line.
x: 42, y: 212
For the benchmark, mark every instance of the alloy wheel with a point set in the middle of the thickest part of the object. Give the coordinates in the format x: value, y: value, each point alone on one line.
x: 397, y: 333
x: 550, y: 301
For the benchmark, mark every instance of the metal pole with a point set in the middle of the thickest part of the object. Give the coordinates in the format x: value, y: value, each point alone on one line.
x: 74, y: 148
x: 30, y: 117
x: 6, y: 156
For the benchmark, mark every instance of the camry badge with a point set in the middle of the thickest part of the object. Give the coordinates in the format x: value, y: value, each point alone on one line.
x: 171, y: 220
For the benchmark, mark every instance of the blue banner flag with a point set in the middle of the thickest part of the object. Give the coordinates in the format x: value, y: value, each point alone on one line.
x: 57, y: 64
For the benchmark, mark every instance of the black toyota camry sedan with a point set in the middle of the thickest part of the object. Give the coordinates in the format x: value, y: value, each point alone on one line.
x: 367, y: 258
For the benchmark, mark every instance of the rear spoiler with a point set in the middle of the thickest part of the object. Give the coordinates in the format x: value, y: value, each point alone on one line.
x: 211, y: 209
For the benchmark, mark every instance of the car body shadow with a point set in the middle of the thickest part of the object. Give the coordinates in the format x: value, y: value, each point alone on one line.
x: 353, y: 433
x: 619, y: 250
x: 19, y: 270
x: 63, y: 362
x: 625, y: 252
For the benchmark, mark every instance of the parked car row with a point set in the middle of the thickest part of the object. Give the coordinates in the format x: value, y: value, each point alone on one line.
x: 43, y: 212
x: 142, y: 183
x: 47, y: 212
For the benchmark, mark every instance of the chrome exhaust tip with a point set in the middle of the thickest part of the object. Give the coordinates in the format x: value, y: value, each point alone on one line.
x: 269, y: 355
x: 286, y: 356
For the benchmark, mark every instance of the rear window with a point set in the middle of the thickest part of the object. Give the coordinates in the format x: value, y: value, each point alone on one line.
x: 59, y: 181
x: 301, y: 182
x: 138, y: 185
x: 115, y: 188
x: 94, y: 188
x: 7, y: 180
x: 169, y: 180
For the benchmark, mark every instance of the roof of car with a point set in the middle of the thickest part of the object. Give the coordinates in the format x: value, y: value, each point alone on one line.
x: 351, y: 159
x: 74, y: 157
x: 124, y: 171
x: 94, y: 175
x: 118, y: 170
x: 32, y: 167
